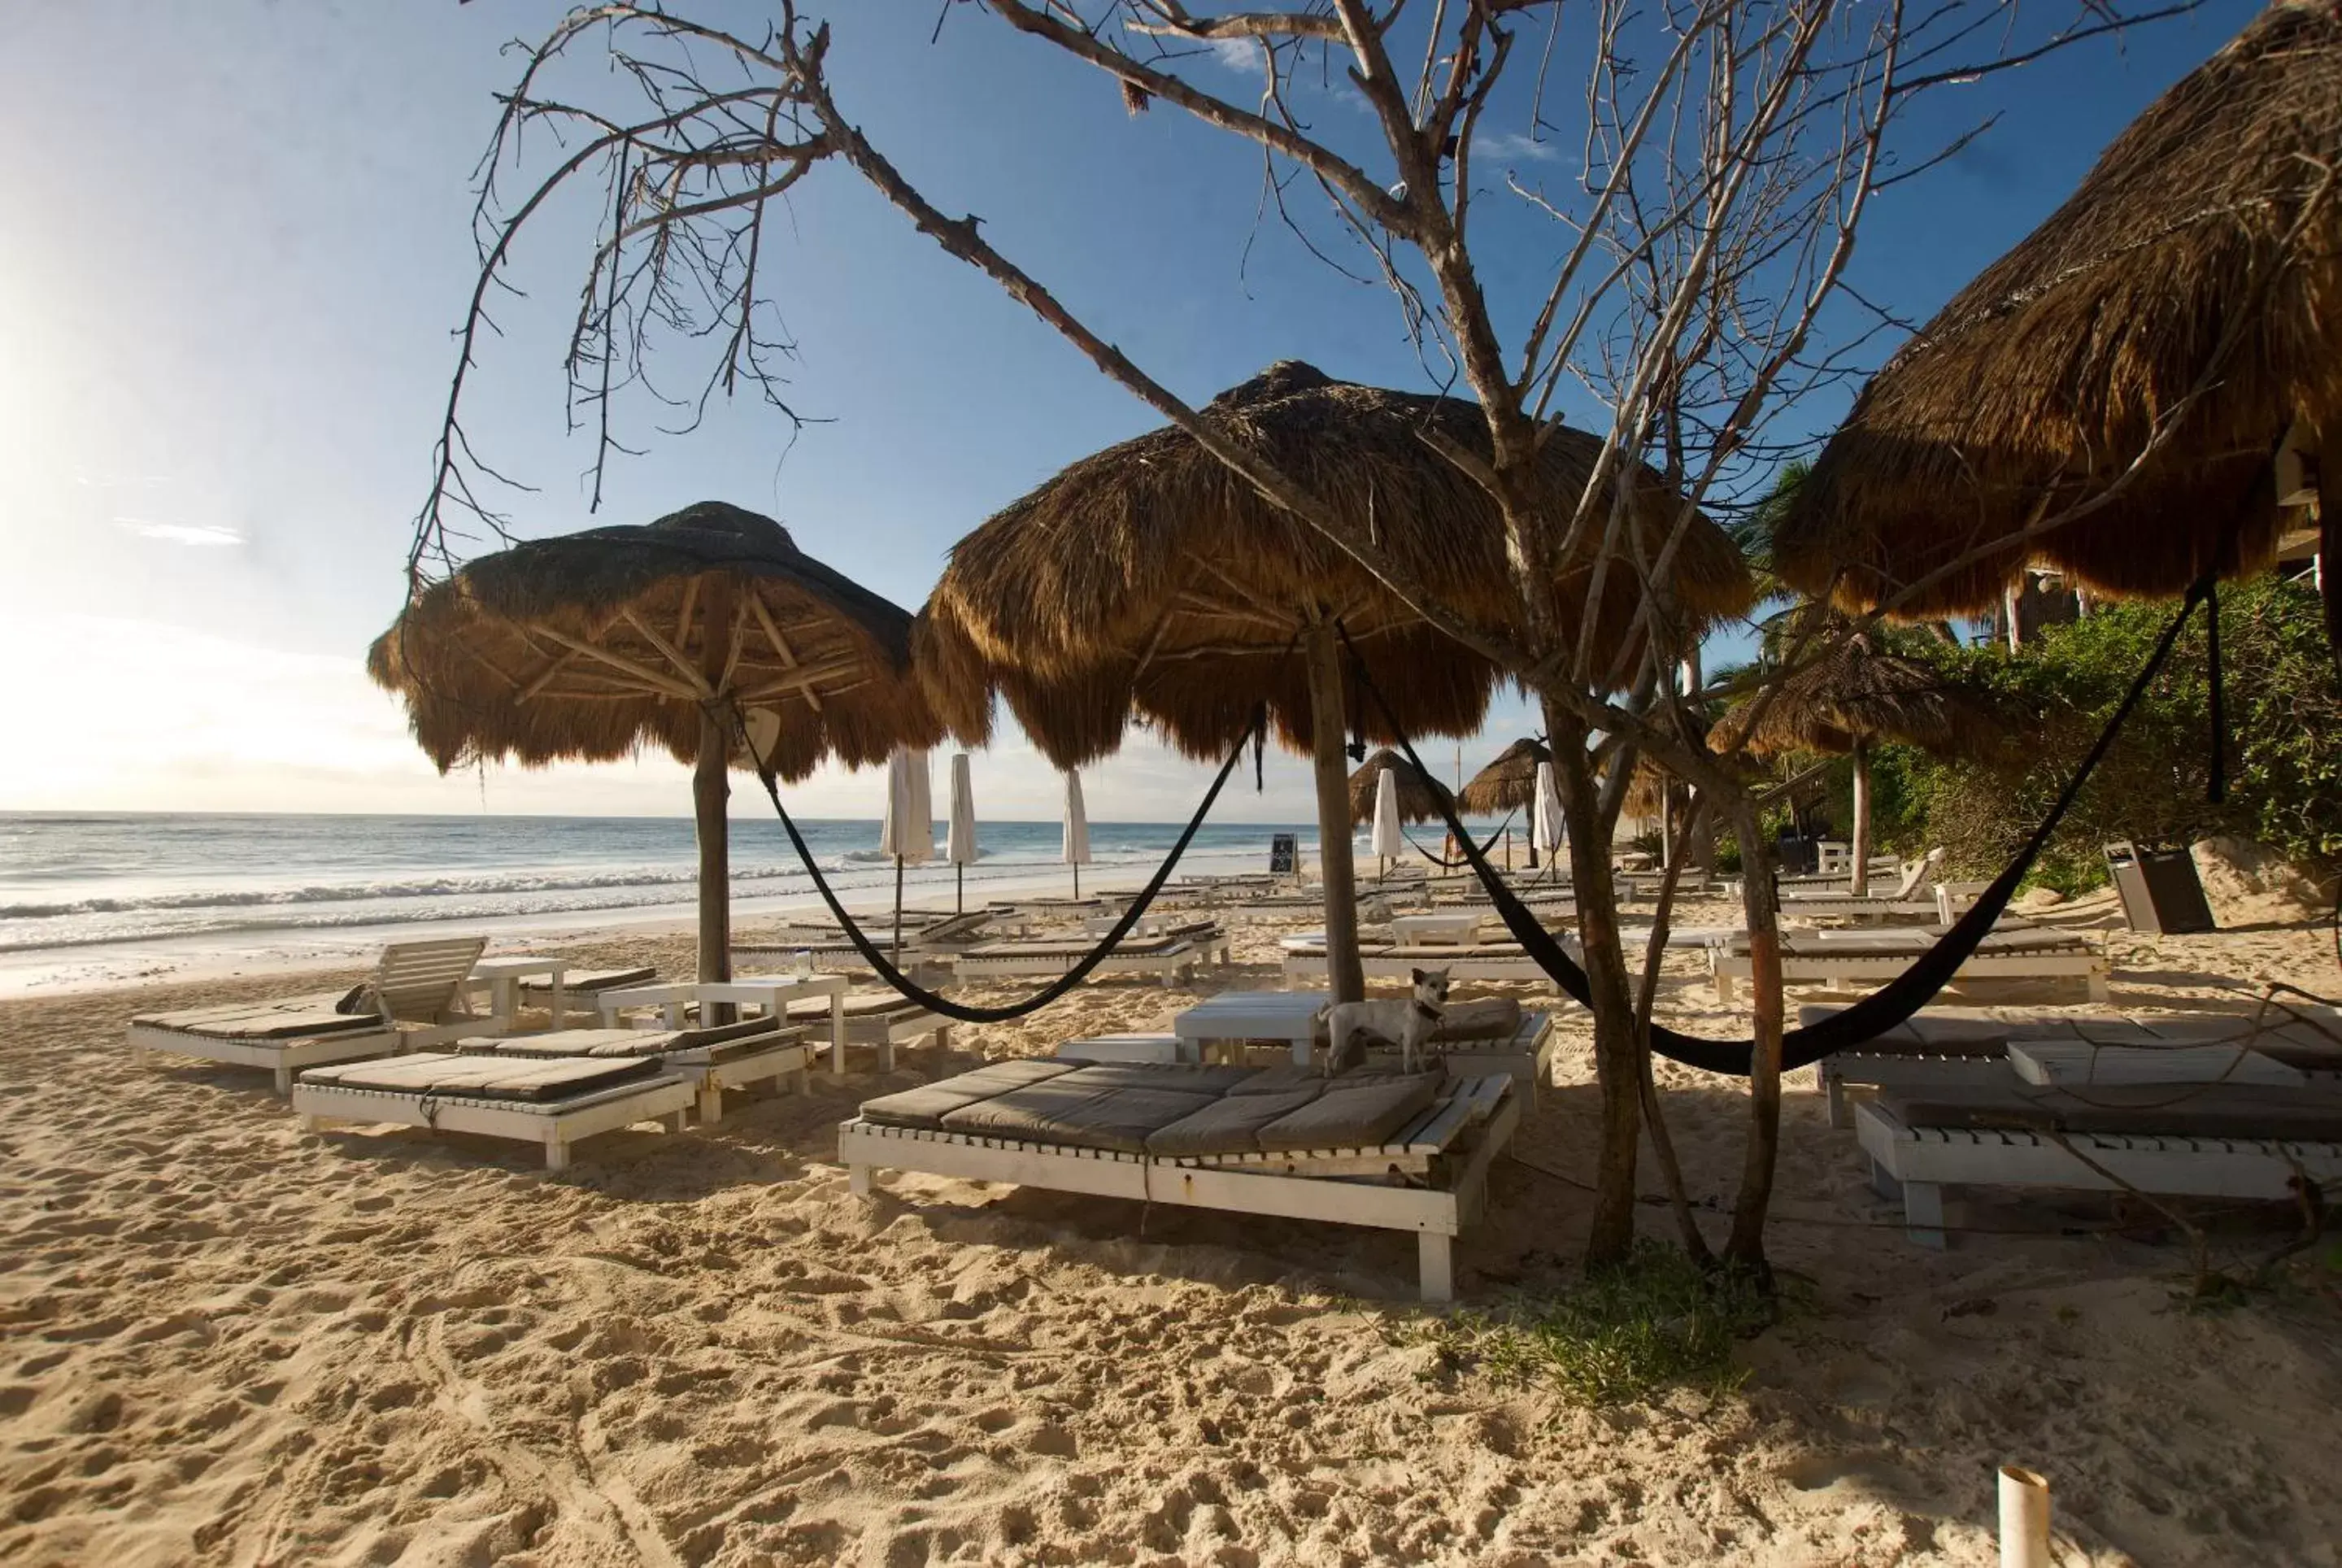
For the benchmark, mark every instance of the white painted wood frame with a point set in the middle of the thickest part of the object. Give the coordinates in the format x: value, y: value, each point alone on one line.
x: 553, y: 1125
x: 2085, y: 964
x: 1436, y: 1215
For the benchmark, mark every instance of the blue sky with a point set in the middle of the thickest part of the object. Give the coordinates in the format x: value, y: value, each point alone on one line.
x: 236, y: 237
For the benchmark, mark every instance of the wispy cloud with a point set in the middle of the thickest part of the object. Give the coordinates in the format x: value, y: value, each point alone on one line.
x: 1239, y: 55
x: 1510, y: 146
x: 199, y: 533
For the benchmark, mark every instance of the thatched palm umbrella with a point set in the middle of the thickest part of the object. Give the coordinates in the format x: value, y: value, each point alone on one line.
x: 1419, y: 798
x: 1150, y: 578
x: 2202, y: 254
x: 1851, y: 699
x: 1507, y: 784
x: 594, y: 645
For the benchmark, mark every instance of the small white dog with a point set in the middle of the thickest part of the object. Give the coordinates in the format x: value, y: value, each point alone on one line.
x: 1406, y: 1024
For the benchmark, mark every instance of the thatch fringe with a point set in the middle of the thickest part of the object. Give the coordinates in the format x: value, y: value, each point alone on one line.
x: 1507, y: 784
x: 1857, y: 693
x: 2215, y: 220
x: 1419, y: 798
x: 489, y: 665
x: 1149, y: 578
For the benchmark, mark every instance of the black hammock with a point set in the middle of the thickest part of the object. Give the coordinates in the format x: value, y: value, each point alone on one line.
x: 1875, y: 1014
x: 1443, y: 862
x: 902, y: 984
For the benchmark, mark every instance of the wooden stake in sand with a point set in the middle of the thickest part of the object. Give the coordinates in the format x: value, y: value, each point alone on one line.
x: 2023, y: 1518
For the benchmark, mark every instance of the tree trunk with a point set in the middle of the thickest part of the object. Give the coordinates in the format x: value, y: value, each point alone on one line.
x: 1655, y: 1120
x: 711, y: 789
x: 1861, y: 819
x: 1612, y: 1232
x: 1344, y: 975
x: 1746, y: 1250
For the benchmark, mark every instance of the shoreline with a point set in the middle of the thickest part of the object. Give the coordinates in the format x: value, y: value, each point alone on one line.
x: 74, y: 970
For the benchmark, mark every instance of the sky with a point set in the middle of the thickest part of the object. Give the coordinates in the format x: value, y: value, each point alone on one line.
x: 235, y: 238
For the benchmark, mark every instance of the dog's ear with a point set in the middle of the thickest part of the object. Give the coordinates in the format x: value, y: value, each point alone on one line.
x: 1418, y: 977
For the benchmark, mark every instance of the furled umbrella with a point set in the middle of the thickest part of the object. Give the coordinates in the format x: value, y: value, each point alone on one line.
x: 959, y: 841
x: 1390, y: 839
x: 1851, y: 699
x: 2193, y: 283
x: 1545, y: 832
x: 678, y: 634
x: 1151, y: 580
x: 908, y: 831
x: 1076, y: 846
x: 1506, y: 785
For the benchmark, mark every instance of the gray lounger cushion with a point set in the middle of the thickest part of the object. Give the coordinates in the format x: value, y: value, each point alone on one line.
x: 589, y: 981
x: 723, y: 1041
x: 928, y: 1104
x: 1483, y: 1017
x: 1153, y: 947
x: 2221, y: 1110
x: 522, y: 1079
x: 858, y: 1004
x: 292, y: 1020
x: 1059, y: 1112
x: 1351, y: 1116
x: 1228, y: 1125
x: 1177, y: 1078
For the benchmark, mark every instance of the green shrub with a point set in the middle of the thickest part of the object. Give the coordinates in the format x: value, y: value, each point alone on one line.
x: 2285, y: 735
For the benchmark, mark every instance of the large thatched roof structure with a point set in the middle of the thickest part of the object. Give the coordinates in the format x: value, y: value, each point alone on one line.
x: 1856, y: 695
x: 2204, y: 251
x: 591, y: 645
x: 1507, y: 784
x: 1419, y: 798
x: 1150, y: 578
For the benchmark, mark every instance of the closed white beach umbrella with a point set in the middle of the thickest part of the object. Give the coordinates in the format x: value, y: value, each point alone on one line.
x: 908, y: 832
x: 1389, y: 839
x: 1077, y: 831
x: 1546, y: 810
x: 959, y: 839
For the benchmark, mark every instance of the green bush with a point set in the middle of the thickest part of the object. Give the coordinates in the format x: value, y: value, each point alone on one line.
x: 2285, y: 738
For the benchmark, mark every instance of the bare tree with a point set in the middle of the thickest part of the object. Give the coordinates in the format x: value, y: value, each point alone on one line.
x: 1728, y: 154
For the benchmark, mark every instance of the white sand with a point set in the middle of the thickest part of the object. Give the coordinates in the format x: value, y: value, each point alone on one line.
x: 226, y: 1341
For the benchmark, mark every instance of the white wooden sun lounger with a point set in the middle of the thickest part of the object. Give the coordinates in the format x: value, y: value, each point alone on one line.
x: 2223, y: 1142
x: 1305, y: 959
x: 415, y: 999
x: 1168, y: 958
x: 1814, y: 958
x: 1440, y: 1154
x: 710, y: 1059
x: 1968, y: 1048
x: 1517, y: 1042
x: 550, y: 1103
x: 880, y: 1019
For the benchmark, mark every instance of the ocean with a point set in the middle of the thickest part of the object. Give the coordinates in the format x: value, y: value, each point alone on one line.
x: 97, y: 896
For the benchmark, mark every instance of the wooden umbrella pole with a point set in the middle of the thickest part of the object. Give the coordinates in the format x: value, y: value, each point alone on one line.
x: 1861, y: 884
x: 710, y: 791
x: 1344, y: 973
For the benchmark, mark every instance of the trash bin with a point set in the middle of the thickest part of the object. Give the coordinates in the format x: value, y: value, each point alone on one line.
x: 1797, y: 857
x: 2160, y: 890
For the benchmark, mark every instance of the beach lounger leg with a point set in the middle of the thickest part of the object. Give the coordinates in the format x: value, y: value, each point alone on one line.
x: 801, y: 1080
x: 943, y: 1036
x: 672, y: 1121
x: 887, y: 1054
x: 858, y: 1181
x: 313, y: 1124
x: 837, y: 1034
x: 1723, y: 988
x: 283, y: 1079
x: 1923, y: 1212
x: 1841, y: 1114
x: 711, y: 1103
x: 1435, y: 1261
x: 2099, y: 990
x: 556, y: 1150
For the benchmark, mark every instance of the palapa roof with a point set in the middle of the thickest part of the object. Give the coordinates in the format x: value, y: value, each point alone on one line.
x: 1858, y: 694
x: 2219, y: 210
x: 1418, y: 797
x: 591, y: 645
x: 1507, y: 784
x: 1151, y: 578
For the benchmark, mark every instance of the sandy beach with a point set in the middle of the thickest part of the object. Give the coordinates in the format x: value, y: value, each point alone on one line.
x: 228, y: 1342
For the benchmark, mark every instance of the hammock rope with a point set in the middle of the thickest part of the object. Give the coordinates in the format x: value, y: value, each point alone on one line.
x: 1875, y: 1014
x: 1443, y: 862
x: 873, y: 955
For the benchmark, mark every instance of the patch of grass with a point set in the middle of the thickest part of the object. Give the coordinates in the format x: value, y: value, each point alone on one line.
x: 1615, y: 1336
